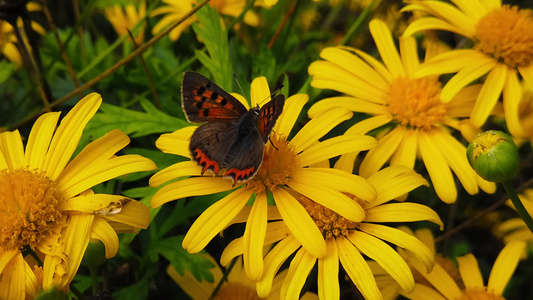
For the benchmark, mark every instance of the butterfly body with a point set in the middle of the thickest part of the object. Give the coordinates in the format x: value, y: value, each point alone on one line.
x: 232, y: 137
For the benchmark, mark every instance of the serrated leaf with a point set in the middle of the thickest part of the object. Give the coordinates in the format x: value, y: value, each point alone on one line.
x: 133, y: 123
x: 209, y: 30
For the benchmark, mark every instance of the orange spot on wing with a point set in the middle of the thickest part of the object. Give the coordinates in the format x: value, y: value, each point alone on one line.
x: 239, y: 175
x: 205, y: 162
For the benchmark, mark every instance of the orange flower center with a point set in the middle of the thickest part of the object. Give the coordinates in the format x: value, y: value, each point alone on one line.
x: 279, y: 161
x: 29, y: 202
x: 236, y: 291
x: 328, y: 222
x: 506, y: 34
x: 416, y: 102
x: 479, y: 293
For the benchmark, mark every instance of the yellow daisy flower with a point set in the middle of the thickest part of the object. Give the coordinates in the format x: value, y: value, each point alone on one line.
x: 125, y: 18
x: 176, y: 9
x: 347, y: 241
x: 515, y: 229
x: 503, y: 48
x: 446, y: 281
x: 236, y: 286
x: 285, y: 167
x: 441, y: 284
x: 8, y: 40
x: 419, y: 123
x: 47, y: 207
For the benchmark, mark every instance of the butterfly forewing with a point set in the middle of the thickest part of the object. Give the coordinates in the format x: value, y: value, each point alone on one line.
x: 204, y: 101
x: 268, y: 115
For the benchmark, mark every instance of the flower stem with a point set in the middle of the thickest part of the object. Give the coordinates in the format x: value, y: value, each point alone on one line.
x: 509, y: 188
x: 358, y: 22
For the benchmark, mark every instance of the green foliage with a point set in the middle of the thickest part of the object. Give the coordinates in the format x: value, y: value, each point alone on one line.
x: 210, y: 32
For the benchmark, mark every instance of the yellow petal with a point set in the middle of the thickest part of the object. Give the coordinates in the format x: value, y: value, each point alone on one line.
x: 299, y: 269
x: 328, y: 284
x: 300, y: 223
x: 438, y: 169
x: 394, y: 181
x: 512, y: 95
x: 387, y: 49
x: 214, y: 219
x: 474, y: 10
x: 489, y: 94
x: 346, y: 161
x: 377, y: 65
x: 453, y: 61
x: 337, y: 180
x: 439, y: 279
x: 470, y: 273
x: 350, y: 103
x: 318, y: 127
x: 273, y: 261
x: 505, y: 265
x: 336, y: 146
x: 402, y: 240
x: 103, y: 232
x: 39, y: 139
x: 133, y: 213
x: 450, y: 14
x: 357, y: 268
x: 405, y: 155
x: 254, y: 237
x: 196, y: 186
x: 352, y: 63
x: 409, y: 54
x: 429, y: 23
x: 181, y: 169
x: 13, y: 283
x: 102, y: 171
x: 334, y: 200
x: 177, y: 142
x: 260, y: 92
x: 385, y: 256
x: 330, y: 76
x: 377, y: 156
x: 291, y: 110
x: 423, y: 292
x: 402, y: 212
x: 527, y: 75
x: 12, y: 150
x: 474, y: 70
x: 68, y: 134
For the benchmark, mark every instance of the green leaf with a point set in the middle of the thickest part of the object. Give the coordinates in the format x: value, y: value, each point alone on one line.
x: 139, y: 290
x: 133, y: 123
x: 210, y: 32
x: 181, y: 260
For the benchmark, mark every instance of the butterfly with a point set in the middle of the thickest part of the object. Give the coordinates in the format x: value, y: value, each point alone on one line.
x: 232, y: 137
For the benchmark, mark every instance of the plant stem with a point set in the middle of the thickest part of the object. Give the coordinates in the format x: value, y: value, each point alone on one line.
x: 509, y: 188
x: 358, y: 22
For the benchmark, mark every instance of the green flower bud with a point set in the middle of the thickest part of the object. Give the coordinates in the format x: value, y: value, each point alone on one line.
x: 494, y: 156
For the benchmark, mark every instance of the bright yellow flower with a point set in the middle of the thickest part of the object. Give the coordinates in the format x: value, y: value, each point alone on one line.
x: 8, y: 40
x: 237, y: 285
x: 46, y: 203
x: 284, y: 169
x: 176, y: 9
x: 446, y: 281
x: 125, y: 18
x: 503, y: 48
x: 440, y: 284
x: 346, y: 240
x: 515, y: 229
x: 391, y: 94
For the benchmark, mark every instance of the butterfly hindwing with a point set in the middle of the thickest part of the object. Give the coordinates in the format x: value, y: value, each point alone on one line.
x: 204, y: 101
x: 268, y: 115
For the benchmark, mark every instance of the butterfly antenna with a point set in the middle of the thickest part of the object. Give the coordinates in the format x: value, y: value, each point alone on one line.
x: 273, y: 93
x: 238, y: 84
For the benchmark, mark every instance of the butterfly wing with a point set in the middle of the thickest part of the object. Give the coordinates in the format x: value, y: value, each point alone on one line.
x: 211, y: 142
x: 268, y: 115
x: 202, y: 100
